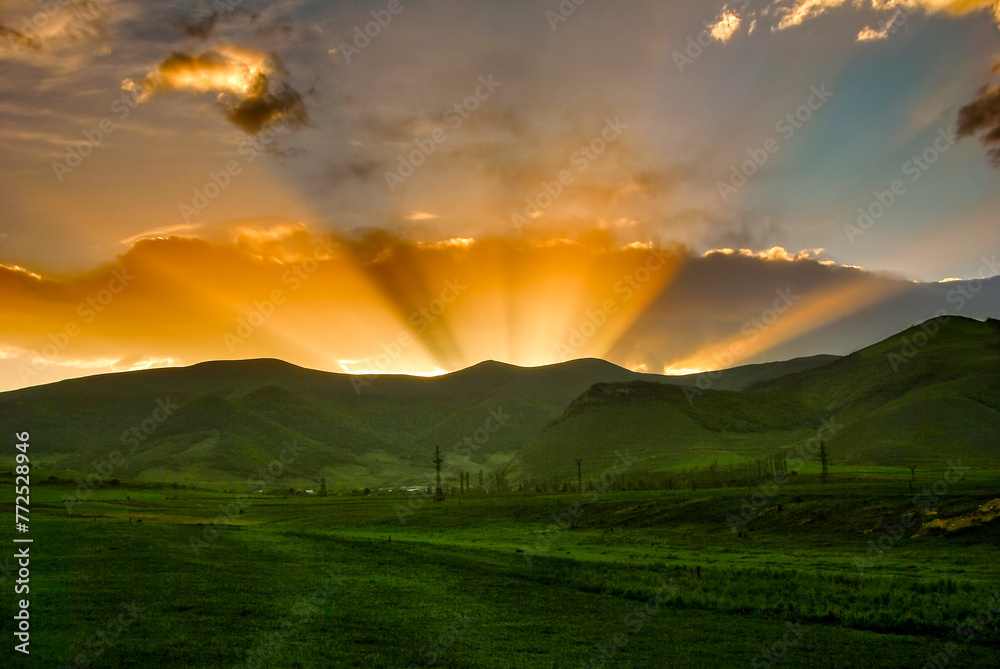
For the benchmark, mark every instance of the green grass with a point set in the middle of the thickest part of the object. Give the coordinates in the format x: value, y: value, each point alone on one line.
x: 455, y: 566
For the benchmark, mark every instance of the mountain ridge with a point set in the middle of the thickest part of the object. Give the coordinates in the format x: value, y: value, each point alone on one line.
x: 235, y: 414
x: 944, y: 401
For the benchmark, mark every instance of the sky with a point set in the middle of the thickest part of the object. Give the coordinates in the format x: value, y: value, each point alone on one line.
x: 415, y: 186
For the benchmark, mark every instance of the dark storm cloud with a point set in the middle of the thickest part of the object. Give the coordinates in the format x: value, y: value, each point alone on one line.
x: 256, y: 112
x: 982, y: 117
x: 362, y: 169
x: 200, y: 28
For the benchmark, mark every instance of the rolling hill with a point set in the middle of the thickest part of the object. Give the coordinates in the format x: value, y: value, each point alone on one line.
x: 221, y: 421
x: 924, y: 396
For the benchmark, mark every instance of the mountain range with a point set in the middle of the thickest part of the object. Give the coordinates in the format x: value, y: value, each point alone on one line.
x: 923, y: 396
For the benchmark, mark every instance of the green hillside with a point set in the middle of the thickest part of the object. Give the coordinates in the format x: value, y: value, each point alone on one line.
x: 219, y: 422
x: 888, y: 404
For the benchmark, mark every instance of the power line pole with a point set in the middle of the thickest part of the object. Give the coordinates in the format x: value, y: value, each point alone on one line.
x: 579, y: 474
x: 822, y: 457
x: 438, y: 492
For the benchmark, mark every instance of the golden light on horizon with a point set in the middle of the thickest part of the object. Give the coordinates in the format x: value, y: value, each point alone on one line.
x: 675, y: 370
x: 790, y: 316
x: 378, y: 305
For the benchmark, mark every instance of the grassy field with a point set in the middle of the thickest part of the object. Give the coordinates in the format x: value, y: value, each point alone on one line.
x: 641, y: 579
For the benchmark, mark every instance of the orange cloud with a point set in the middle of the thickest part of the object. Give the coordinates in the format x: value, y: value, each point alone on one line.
x: 806, y: 10
x: 250, y: 91
x: 378, y: 303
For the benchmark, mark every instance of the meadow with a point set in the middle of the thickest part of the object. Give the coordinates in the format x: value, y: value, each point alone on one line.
x: 141, y: 576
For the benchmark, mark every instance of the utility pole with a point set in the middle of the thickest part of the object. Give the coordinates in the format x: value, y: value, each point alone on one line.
x: 822, y: 457
x: 438, y: 491
x: 579, y: 474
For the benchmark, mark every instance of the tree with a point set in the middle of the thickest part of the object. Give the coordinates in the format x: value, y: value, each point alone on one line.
x: 579, y: 475
x: 322, y: 487
x: 480, y: 478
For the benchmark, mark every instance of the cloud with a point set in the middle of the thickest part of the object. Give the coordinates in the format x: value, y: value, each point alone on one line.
x: 884, y: 29
x: 803, y: 11
x: 45, y: 30
x: 806, y: 10
x: 420, y: 216
x: 12, y: 41
x: 725, y: 25
x: 982, y: 117
x: 316, y: 300
x: 773, y: 253
x: 162, y: 232
x: 202, y: 27
x: 250, y: 85
x: 979, y: 117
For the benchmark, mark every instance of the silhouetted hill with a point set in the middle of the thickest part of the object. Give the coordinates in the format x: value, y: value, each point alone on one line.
x: 894, y: 403
x: 226, y: 419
